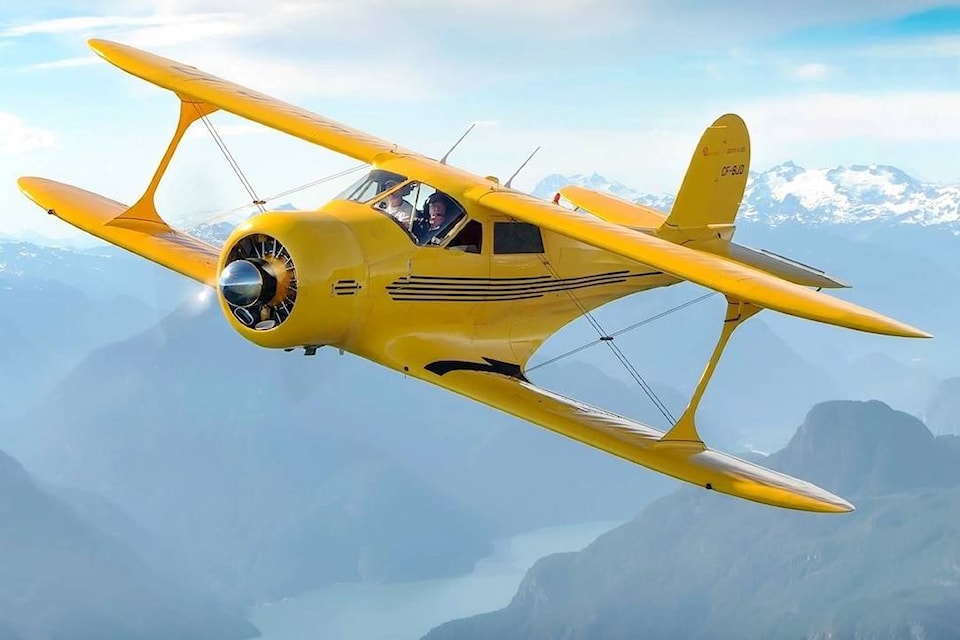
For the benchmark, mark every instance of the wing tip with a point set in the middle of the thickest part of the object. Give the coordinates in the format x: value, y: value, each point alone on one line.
x: 32, y: 186
x: 798, y: 495
x: 107, y: 49
x: 97, y: 44
x: 750, y: 481
x: 903, y: 330
x: 836, y: 504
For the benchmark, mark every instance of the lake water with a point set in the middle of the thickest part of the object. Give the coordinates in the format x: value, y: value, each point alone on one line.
x: 409, y: 610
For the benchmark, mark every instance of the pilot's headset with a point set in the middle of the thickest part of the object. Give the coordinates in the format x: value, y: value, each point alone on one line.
x: 439, y: 197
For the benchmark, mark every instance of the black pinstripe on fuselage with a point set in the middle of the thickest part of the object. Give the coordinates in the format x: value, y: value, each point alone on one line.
x: 471, y: 289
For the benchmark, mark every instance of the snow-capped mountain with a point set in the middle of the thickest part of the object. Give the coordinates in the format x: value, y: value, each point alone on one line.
x: 845, y: 195
x: 790, y: 193
x: 216, y: 228
x: 552, y: 183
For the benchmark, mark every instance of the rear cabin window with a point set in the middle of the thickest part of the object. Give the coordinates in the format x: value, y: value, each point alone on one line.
x: 516, y: 237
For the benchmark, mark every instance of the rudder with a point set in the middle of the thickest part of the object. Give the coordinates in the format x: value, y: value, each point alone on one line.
x: 713, y: 186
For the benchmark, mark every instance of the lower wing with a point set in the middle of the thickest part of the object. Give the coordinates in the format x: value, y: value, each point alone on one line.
x: 151, y: 238
x: 631, y: 440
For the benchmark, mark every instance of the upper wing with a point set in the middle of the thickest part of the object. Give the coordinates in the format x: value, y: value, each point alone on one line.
x: 192, y: 84
x: 715, y: 272
x: 634, y: 441
x: 151, y: 239
x: 736, y: 280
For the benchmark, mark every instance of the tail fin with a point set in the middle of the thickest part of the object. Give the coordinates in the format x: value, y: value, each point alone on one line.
x: 716, y: 178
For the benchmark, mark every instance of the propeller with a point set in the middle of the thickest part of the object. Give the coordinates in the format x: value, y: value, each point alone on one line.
x: 259, y: 282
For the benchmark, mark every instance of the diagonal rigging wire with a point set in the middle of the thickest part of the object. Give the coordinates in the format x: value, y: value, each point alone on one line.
x: 226, y: 214
x: 615, y: 349
x: 307, y: 185
x: 255, y: 200
x: 619, y: 332
x: 231, y: 161
x: 313, y: 183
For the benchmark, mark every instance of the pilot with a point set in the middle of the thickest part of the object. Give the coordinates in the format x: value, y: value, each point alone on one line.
x: 439, y: 216
x: 396, y: 206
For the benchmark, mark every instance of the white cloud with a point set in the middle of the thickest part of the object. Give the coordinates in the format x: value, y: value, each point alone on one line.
x: 414, y: 18
x: 930, y: 47
x: 296, y: 48
x: 17, y: 137
x: 682, y: 23
x: 188, y: 29
x: 288, y: 79
x: 810, y: 71
x: 57, y: 26
x: 728, y: 23
x: 906, y: 117
x: 64, y: 63
x: 651, y: 159
x: 826, y: 128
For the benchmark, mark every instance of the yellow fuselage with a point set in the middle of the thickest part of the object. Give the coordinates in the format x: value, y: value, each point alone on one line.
x: 362, y: 282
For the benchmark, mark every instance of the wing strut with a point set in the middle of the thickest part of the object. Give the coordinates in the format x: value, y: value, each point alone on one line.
x: 138, y: 228
x: 145, y: 209
x: 685, y: 430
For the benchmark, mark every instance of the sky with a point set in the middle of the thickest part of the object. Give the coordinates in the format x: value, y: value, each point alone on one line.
x: 623, y: 88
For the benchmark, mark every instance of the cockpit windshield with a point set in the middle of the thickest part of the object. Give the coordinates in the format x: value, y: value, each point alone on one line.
x: 427, y: 215
x: 371, y: 185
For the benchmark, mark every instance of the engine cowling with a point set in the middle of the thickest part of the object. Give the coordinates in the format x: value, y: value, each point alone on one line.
x: 281, y: 278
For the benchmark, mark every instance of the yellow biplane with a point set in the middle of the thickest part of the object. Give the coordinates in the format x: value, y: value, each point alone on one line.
x: 457, y: 280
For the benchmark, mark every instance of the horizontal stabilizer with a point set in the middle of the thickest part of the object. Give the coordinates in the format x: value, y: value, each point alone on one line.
x: 100, y: 216
x: 777, y: 265
x: 613, y: 209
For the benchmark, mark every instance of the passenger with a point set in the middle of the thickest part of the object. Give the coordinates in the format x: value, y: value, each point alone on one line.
x: 396, y: 206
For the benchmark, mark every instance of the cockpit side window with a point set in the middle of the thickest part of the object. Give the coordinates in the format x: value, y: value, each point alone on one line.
x: 427, y: 214
x: 436, y: 217
x: 469, y: 239
x: 516, y: 237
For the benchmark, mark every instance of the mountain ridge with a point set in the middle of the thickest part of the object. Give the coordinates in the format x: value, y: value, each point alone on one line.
x: 65, y: 577
x: 787, y: 192
x: 699, y: 565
